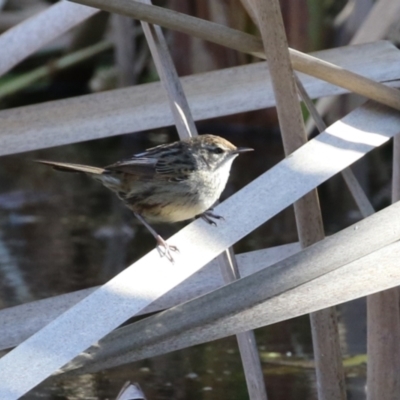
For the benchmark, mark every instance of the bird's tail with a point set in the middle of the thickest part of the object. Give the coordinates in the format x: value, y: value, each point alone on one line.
x: 67, y: 167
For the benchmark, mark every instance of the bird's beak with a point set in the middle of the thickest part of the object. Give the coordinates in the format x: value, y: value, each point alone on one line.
x: 242, y: 150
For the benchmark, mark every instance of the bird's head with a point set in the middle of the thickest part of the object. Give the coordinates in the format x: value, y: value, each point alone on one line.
x: 215, y: 151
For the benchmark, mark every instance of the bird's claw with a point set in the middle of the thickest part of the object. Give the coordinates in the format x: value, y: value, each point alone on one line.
x: 209, y: 215
x: 164, y: 249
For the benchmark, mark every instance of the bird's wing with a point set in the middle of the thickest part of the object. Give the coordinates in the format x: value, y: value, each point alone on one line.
x: 142, y: 167
x: 161, y: 162
x: 150, y: 168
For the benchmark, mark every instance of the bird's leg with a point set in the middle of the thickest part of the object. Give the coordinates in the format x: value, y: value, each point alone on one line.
x: 209, y: 215
x: 163, y: 247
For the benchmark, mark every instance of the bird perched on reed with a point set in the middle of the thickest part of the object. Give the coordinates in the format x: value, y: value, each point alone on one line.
x: 168, y: 183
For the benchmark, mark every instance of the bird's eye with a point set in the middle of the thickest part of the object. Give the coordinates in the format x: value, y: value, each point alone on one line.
x: 217, y: 150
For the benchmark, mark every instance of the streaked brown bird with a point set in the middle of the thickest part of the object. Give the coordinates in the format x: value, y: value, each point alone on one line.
x: 168, y: 183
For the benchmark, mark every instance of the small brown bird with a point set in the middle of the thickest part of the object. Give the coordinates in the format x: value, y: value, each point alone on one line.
x: 168, y: 183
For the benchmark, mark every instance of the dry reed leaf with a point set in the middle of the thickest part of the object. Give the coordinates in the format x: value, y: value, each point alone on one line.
x: 324, y: 325
x: 30, y: 35
x: 24, y: 320
x: 173, y: 329
x: 143, y: 107
x: 249, y: 44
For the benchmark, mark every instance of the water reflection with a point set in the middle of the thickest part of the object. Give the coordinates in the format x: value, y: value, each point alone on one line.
x: 204, y: 372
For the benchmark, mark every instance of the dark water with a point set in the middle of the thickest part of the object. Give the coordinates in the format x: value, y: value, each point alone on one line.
x: 65, y: 232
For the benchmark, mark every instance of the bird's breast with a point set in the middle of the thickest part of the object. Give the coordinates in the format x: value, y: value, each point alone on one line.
x: 170, y: 201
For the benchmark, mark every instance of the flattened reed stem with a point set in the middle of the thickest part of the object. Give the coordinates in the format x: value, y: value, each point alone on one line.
x: 327, y: 354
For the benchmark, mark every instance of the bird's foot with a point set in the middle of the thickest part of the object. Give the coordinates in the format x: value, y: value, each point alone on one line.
x: 208, y: 216
x: 164, y: 249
